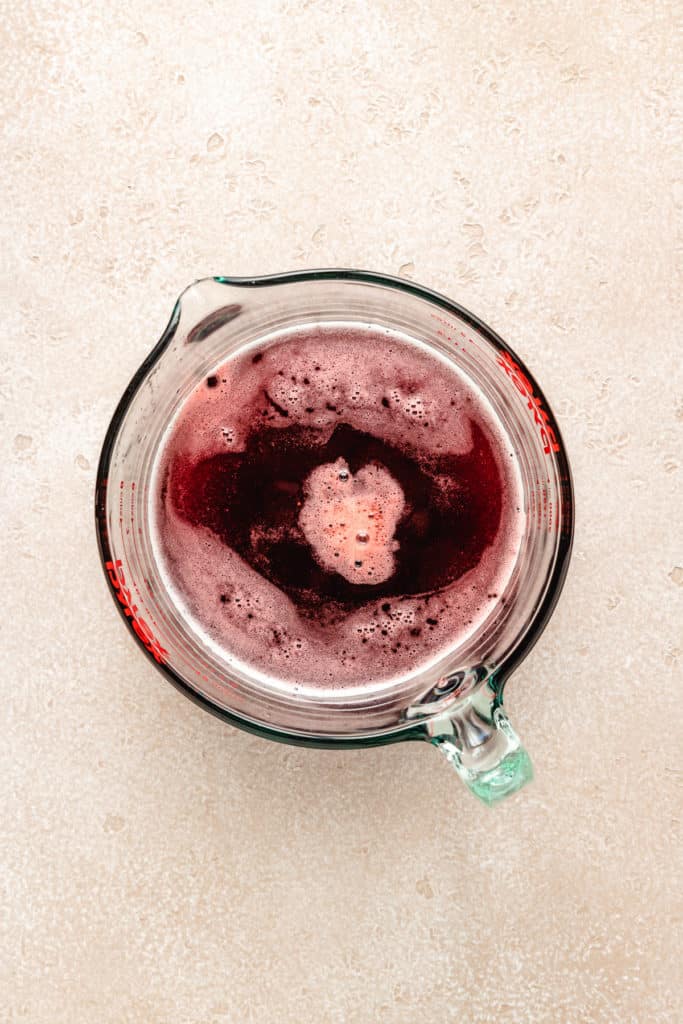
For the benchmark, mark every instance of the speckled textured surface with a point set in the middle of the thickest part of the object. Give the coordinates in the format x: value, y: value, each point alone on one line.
x: 159, y: 867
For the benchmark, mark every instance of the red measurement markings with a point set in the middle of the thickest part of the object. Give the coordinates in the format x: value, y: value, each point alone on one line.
x: 453, y: 328
x: 124, y: 595
x: 525, y: 388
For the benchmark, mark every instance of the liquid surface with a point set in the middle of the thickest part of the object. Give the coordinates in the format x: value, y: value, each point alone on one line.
x: 337, y: 507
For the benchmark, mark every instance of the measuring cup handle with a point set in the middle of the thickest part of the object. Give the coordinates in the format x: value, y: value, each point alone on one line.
x: 478, y: 740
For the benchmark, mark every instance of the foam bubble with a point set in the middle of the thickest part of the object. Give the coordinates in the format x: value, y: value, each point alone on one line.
x: 349, y: 521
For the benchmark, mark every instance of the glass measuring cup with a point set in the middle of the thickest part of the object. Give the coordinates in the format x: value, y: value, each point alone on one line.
x: 456, y: 703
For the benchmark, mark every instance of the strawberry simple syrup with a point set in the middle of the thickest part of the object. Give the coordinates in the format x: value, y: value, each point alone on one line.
x: 337, y: 505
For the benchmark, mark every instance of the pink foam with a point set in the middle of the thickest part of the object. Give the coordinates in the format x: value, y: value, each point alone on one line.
x: 350, y: 521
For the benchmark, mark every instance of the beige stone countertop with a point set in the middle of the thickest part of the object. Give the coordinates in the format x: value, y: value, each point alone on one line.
x: 160, y: 867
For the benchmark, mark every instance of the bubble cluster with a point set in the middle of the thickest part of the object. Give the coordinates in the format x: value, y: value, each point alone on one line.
x: 349, y: 521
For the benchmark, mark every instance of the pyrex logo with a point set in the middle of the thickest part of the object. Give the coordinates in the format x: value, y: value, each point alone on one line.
x: 525, y: 388
x: 130, y: 610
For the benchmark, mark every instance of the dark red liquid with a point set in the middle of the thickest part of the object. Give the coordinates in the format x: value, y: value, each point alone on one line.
x: 250, y: 531
x: 258, y: 493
